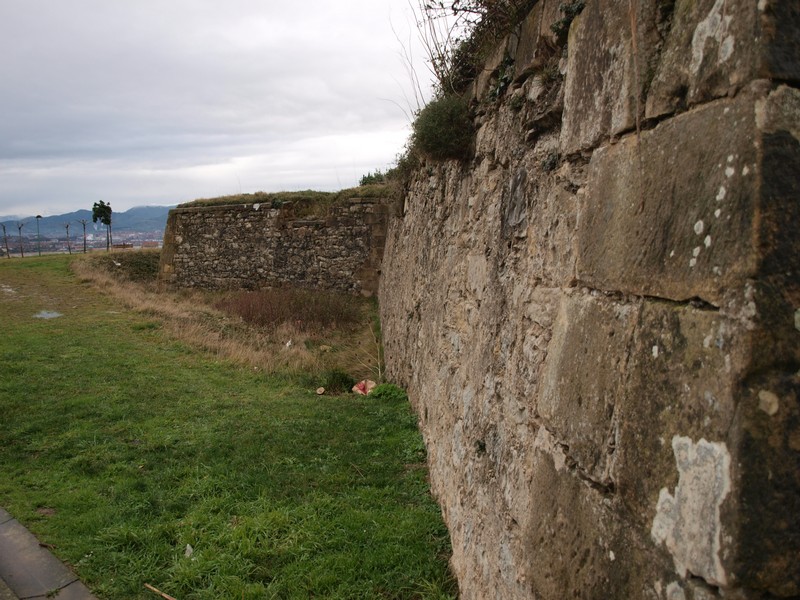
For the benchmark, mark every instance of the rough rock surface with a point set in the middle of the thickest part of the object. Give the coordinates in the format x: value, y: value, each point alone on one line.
x: 598, y: 316
x: 249, y: 246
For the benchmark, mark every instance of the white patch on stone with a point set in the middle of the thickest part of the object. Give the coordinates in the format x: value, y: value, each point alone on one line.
x: 714, y: 26
x: 762, y: 5
x: 671, y: 254
x: 699, y: 227
x: 696, y: 251
x: 730, y: 158
x: 721, y: 193
x: 718, y: 212
x: 688, y: 522
x: 729, y: 171
x: 797, y: 319
x: 692, y: 262
x: 707, y: 340
x: 768, y: 402
x: 707, y: 241
x: 749, y: 309
x: 716, y: 271
x: 655, y: 351
x: 780, y: 111
x: 675, y: 591
x: 746, y: 170
x: 6, y: 289
x: 726, y: 48
x: 611, y: 555
x: 256, y: 206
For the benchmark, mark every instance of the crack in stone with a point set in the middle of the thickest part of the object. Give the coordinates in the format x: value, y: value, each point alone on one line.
x: 606, y: 487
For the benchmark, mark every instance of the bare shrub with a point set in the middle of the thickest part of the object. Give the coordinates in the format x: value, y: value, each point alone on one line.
x: 455, y: 33
x: 307, y: 310
x: 131, y: 265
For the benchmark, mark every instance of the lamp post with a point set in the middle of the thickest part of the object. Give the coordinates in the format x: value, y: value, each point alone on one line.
x: 20, y: 225
x: 83, y: 222
x: 38, y: 236
x: 5, y: 239
x: 69, y: 247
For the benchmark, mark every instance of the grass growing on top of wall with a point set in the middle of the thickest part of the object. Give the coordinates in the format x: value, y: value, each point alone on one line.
x: 276, y: 199
x: 306, y: 203
x: 143, y: 459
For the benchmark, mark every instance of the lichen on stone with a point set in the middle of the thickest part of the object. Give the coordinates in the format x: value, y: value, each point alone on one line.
x: 688, y: 520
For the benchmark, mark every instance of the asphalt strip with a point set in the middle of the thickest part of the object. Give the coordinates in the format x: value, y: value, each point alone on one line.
x: 30, y: 571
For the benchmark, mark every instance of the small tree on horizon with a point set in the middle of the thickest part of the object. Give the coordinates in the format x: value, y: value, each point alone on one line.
x: 102, y: 212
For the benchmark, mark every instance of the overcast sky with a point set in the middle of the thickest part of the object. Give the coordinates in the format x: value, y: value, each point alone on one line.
x: 156, y: 102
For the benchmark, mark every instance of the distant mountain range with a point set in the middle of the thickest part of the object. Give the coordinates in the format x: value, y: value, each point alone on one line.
x: 137, y: 219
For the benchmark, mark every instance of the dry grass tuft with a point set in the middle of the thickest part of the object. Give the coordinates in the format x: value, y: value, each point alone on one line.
x: 294, y: 332
x: 309, y: 310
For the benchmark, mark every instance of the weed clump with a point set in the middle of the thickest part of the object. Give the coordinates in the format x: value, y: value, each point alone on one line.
x: 372, y: 178
x: 389, y: 393
x: 140, y: 266
x: 570, y: 10
x: 337, y: 381
x: 444, y: 129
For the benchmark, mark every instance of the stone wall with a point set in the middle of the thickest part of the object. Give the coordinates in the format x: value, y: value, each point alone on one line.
x: 249, y: 246
x: 597, y: 318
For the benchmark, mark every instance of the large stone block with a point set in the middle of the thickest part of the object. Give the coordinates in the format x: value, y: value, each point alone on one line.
x: 610, y: 45
x: 552, y: 223
x: 583, y: 379
x: 681, y: 380
x: 714, y: 47
x: 672, y: 212
x: 574, y: 545
x: 538, y: 43
x: 538, y: 220
x: 708, y: 450
x: 709, y: 52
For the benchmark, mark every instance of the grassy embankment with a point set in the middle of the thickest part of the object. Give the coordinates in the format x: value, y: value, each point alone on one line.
x: 122, y: 442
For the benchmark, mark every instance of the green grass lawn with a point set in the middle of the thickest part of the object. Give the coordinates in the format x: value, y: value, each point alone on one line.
x: 121, y: 447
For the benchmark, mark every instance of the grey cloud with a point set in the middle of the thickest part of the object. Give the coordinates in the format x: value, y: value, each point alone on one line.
x: 152, y: 100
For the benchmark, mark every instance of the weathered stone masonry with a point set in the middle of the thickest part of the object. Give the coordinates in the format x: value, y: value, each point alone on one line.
x: 248, y: 246
x: 598, y: 317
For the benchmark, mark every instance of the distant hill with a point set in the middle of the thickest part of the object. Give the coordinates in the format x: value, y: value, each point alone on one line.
x: 137, y: 219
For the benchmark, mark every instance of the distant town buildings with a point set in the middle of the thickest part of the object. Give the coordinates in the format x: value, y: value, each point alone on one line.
x: 94, y: 242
